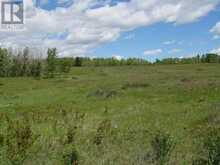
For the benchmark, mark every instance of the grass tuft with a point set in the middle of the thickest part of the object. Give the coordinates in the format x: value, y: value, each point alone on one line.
x: 162, y: 145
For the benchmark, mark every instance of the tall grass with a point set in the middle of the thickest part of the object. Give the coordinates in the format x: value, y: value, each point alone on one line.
x: 209, y: 154
x: 162, y: 146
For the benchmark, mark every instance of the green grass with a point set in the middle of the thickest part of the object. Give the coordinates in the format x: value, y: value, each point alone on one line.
x: 123, y: 107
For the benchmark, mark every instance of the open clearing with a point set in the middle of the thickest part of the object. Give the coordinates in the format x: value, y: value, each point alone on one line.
x: 108, y: 114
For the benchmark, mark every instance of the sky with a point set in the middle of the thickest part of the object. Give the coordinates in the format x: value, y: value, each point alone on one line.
x: 148, y: 29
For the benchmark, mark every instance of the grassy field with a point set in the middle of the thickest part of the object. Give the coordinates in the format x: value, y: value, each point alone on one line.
x: 108, y: 115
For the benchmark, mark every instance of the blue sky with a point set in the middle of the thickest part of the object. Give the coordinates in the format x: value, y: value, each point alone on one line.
x: 147, y: 29
x: 184, y: 40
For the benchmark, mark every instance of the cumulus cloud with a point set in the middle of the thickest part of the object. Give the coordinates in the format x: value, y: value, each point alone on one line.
x: 83, y: 25
x: 216, y: 51
x: 216, y: 30
x: 117, y: 57
x: 153, y: 52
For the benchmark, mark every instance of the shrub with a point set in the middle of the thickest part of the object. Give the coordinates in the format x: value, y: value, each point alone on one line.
x: 103, y: 130
x: 210, y: 154
x: 71, y: 132
x: 71, y: 157
x: 19, y: 138
x: 78, y: 61
x: 65, y: 64
x: 162, y: 145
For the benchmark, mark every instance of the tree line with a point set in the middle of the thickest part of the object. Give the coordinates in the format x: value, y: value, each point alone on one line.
x: 25, y: 64
x: 206, y: 58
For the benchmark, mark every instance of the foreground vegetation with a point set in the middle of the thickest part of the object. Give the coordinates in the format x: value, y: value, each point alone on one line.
x: 128, y: 115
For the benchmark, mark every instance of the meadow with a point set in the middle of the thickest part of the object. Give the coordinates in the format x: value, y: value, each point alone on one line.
x: 121, y: 115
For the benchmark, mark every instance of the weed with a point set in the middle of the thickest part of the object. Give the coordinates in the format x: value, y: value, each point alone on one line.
x: 19, y: 138
x: 71, y: 132
x: 73, y: 125
x: 103, y: 130
x: 71, y: 157
x: 210, y: 154
x: 162, y: 145
x: 103, y: 93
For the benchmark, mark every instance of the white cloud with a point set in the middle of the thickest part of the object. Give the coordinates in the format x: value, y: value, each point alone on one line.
x: 175, y: 50
x: 216, y: 30
x: 153, y: 52
x: 86, y: 27
x: 117, y: 57
x: 216, y: 51
x: 169, y: 42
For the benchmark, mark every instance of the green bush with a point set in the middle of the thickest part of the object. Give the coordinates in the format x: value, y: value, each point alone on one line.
x: 70, y: 157
x: 210, y: 152
x: 17, y: 140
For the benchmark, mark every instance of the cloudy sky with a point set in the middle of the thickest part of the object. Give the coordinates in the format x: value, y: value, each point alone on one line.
x: 122, y: 28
